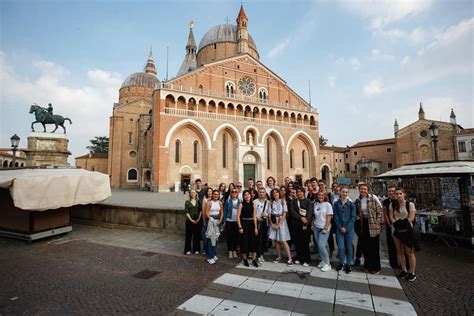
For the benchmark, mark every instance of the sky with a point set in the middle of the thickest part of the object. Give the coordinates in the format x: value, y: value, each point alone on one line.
x: 365, y: 62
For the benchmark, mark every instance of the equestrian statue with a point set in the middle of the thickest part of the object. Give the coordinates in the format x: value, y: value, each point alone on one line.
x: 46, y: 116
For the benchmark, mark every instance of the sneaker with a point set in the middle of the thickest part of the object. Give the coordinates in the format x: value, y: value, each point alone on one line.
x: 211, y: 261
x: 262, y: 259
x: 357, y: 262
x: 297, y: 262
x: 320, y: 264
x: 196, y: 252
x: 402, y: 275
x: 246, y: 263
x: 375, y: 272
x: 255, y: 263
x: 234, y: 254
x: 326, y: 268
x: 289, y: 263
x: 188, y: 253
x: 410, y: 277
x: 277, y: 260
x: 347, y: 269
x: 339, y: 267
x: 305, y: 264
x: 215, y: 258
x: 231, y: 255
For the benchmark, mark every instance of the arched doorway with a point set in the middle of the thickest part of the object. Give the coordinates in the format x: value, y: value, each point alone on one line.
x: 365, y: 174
x: 326, y: 175
x: 251, y: 166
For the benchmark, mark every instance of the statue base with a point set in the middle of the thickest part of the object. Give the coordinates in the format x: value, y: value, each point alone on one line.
x: 47, y: 150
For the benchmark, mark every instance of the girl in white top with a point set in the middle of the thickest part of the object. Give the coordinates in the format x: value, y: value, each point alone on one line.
x: 321, y: 227
x: 278, y: 226
x: 214, y: 214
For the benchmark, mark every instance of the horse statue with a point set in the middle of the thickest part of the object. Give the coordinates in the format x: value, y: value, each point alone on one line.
x: 45, y: 116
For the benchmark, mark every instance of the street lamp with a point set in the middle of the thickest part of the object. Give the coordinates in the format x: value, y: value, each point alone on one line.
x: 15, y: 140
x: 434, y: 130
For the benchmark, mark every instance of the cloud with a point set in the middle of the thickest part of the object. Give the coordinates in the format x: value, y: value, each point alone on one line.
x: 377, y: 55
x: 406, y: 60
x: 354, y: 62
x: 374, y: 87
x: 279, y: 48
x: 88, y: 105
x: 332, y: 81
x: 381, y: 13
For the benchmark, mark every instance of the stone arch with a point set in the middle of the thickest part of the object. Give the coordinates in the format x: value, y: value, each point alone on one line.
x: 196, y: 125
x: 202, y: 104
x: 192, y: 104
x: 185, y: 170
x: 211, y: 106
x: 326, y: 173
x: 221, y: 108
x: 170, y: 101
x: 306, y: 138
x: 5, y: 164
x: 277, y: 133
x: 312, y: 120
x: 181, y: 102
x: 255, y: 130
x: 228, y: 127
x: 132, y: 175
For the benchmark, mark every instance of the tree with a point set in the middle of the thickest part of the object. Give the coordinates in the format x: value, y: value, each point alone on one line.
x: 100, y: 145
x: 322, y: 141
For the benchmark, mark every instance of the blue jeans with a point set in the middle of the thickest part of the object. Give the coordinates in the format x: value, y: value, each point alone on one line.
x: 322, y: 240
x: 211, y: 251
x: 344, y: 246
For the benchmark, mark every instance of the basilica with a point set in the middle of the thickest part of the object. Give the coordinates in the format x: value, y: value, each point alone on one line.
x: 225, y: 117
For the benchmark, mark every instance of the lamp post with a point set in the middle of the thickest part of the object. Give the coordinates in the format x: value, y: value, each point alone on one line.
x: 434, y: 130
x: 15, y: 140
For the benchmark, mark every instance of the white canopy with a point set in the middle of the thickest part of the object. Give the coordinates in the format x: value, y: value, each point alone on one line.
x: 435, y: 168
x: 45, y: 189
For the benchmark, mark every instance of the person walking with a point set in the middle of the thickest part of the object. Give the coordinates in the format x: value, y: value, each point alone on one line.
x: 247, y: 222
x: 214, y: 214
x: 301, y: 212
x: 192, y: 209
x: 344, y: 217
x: 322, y: 226
x: 278, y: 230
x: 230, y: 221
x: 392, y: 250
x: 370, y: 215
x: 402, y: 215
x: 262, y: 207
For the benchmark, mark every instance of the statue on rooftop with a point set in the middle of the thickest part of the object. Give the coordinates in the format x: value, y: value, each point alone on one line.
x: 46, y: 116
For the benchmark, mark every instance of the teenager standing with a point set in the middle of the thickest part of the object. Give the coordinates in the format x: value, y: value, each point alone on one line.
x: 192, y: 209
x: 322, y: 226
x: 247, y: 222
x: 344, y: 217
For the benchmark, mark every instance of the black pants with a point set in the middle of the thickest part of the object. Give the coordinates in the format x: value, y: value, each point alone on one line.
x: 262, y: 238
x: 301, y: 240
x: 392, y: 250
x: 247, y: 239
x: 370, y: 248
x: 232, y: 235
x: 193, y: 233
x: 331, y: 236
x: 360, y: 241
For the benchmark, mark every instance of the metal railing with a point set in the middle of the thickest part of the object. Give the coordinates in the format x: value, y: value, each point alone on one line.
x: 234, y: 118
x: 237, y: 97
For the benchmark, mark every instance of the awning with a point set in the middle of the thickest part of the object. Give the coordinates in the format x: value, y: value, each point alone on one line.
x: 429, y: 169
x: 45, y: 189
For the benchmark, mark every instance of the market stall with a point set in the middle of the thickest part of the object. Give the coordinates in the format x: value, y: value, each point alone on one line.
x: 34, y: 202
x: 443, y: 195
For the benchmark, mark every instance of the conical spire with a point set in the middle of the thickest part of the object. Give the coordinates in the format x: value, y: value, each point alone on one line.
x: 191, y: 46
x: 395, y: 126
x: 242, y: 13
x: 452, y: 117
x: 421, y: 112
x: 189, y: 63
x: 150, y: 64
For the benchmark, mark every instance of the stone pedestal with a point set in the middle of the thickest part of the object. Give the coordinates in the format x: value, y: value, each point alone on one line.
x: 47, y: 150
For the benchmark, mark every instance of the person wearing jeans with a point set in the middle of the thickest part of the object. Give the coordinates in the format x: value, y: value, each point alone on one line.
x: 344, y: 217
x: 322, y: 226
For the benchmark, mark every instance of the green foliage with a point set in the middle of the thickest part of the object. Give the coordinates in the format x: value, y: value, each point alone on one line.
x: 100, y: 144
x: 322, y: 141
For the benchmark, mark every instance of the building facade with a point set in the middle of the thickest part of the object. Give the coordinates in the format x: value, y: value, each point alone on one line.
x: 465, y: 144
x: 93, y: 162
x: 6, y: 158
x: 225, y: 117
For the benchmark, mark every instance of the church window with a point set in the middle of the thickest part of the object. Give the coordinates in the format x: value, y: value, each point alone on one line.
x: 195, y: 151
x: 303, y: 154
x: 132, y: 154
x: 177, y: 152
x: 224, y: 150
x: 291, y: 159
x: 263, y: 95
x: 269, y: 150
x: 230, y: 89
x: 130, y: 138
x: 389, y: 165
x: 215, y: 46
x: 132, y: 175
x: 462, y: 147
x: 472, y: 146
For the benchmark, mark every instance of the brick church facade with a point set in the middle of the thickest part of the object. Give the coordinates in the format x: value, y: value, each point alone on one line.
x: 225, y: 117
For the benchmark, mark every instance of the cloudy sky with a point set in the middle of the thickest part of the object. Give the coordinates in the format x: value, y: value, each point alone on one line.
x: 368, y: 61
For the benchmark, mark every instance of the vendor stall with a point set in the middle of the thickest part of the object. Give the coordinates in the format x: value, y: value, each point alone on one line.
x: 34, y: 202
x: 443, y: 195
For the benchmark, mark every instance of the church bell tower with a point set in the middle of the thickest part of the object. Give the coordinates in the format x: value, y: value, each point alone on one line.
x: 242, y: 32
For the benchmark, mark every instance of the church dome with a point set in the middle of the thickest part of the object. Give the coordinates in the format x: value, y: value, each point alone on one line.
x: 223, y: 33
x: 143, y: 79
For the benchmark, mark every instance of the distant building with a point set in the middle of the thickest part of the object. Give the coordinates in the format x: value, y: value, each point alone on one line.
x: 6, y: 158
x: 93, y: 162
x: 332, y: 161
x: 465, y: 144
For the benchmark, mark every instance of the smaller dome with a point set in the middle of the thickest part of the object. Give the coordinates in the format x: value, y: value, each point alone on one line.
x: 141, y: 79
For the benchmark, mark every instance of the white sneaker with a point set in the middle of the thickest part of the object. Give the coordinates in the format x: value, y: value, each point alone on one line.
x: 305, y: 264
x: 188, y: 253
x: 320, y: 265
x: 234, y: 254
x: 215, y: 258
x: 211, y: 261
x: 297, y: 262
x: 326, y: 268
x: 262, y: 259
x: 231, y: 255
x: 196, y: 252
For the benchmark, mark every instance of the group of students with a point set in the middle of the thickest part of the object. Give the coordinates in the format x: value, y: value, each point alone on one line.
x: 293, y: 214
